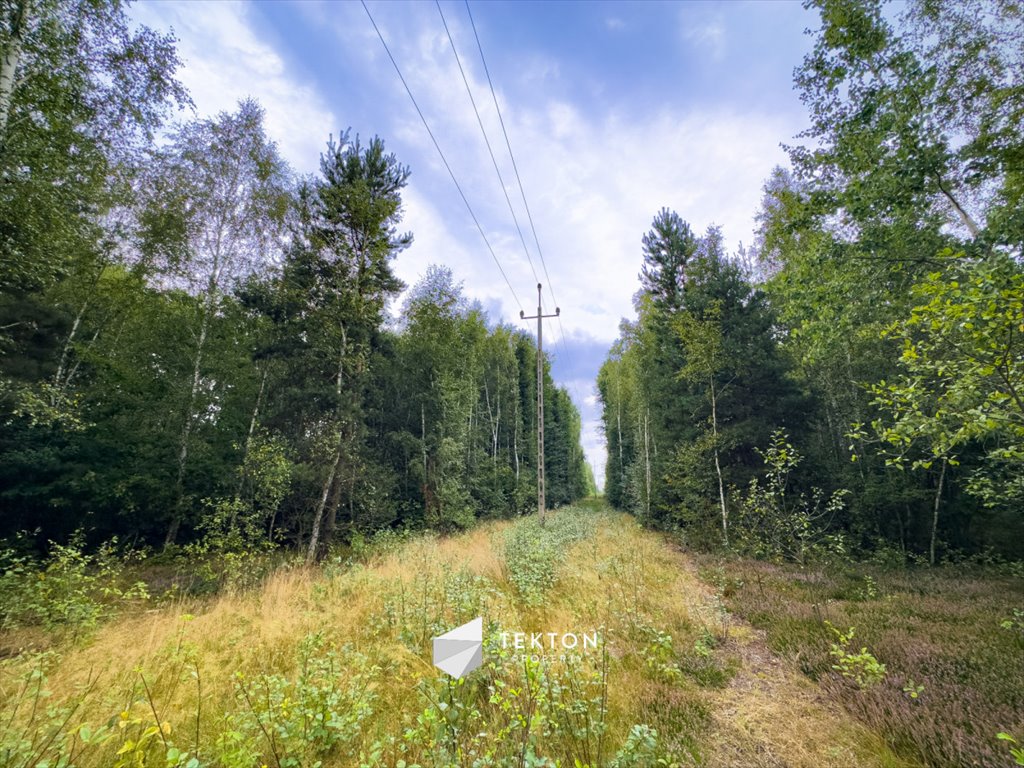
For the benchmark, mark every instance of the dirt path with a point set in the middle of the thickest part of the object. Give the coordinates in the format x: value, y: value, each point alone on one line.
x: 769, y: 714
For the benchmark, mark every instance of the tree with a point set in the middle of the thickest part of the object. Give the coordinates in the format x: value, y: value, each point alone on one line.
x: 217, y: 200
x: 885, y: 158
x: 81, y: 95
x: 701, y: 338
x: 916, y: 125
x: 961, y: 380
x: 691, y: 388
x: 667, y: 248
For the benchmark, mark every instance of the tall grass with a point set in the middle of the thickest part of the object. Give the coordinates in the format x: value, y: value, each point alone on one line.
x: 331, y: 666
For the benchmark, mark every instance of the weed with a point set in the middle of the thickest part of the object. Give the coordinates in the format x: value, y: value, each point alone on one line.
x: 869, y: 589
x: 1015, y: 624
x: 70, y: 590
x: 640, y: 749
x: 912, y: 689
x: 1016, y: 752
x: 293, y: 719
x: 659, y: 656
x: 862, y: 667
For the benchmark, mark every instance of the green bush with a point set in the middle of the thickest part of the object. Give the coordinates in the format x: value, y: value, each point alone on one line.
x: 296, y: 719
x: 861, y: 667
x: 533, y: 552
x: 774, y: 523
x: 69, y: 589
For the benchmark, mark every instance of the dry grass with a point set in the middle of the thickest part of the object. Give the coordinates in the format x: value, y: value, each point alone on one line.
x: 713, y: 692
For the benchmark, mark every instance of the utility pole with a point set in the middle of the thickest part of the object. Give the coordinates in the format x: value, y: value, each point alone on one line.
x: 539, y: 317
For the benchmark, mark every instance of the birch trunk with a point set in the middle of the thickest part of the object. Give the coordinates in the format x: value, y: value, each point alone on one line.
x: 252, y: 428
x: 9, y: 62
x: 58, y: 377
x: 935, y: 513
x: 325, y: 494
x: 718, y: 466
x: 647, y: 461
x: 186, y: 431
x: 318, y: 518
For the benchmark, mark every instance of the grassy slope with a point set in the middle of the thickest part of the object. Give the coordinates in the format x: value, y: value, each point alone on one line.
x: 225, y: 672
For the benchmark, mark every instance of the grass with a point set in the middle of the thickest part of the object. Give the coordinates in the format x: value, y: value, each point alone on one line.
x: 331, y: 667
x: 953, y: 674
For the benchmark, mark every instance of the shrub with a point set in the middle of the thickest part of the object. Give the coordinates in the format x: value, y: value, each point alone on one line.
x: 861, y: 667
x: 534, y: 551
x: 70, y: 589
x: 294, y: 718
x: 775, y: 524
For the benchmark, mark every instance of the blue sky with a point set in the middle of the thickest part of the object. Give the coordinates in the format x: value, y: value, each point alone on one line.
x: 613, y: 110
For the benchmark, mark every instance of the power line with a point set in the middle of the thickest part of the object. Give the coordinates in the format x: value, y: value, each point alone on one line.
x: 511, y: 154
x: 497, y: 170
x: 487, y: 141
x: 441, y: 153
x: 522, y: 191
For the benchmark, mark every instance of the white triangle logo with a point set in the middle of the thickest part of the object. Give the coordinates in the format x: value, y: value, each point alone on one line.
x: 460, y: 651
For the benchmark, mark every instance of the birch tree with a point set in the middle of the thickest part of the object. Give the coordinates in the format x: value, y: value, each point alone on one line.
x: 81, y: 94
x: 217, y: 199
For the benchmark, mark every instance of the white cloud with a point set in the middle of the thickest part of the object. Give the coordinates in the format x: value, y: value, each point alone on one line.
x: 710, y: 36
x: 594, y: 180
x: 704, y: 30
x: 225, y: 61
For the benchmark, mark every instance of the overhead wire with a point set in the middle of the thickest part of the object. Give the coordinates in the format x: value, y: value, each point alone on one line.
x: 483, y: 131
x: 511, y: 154
x: 519, y: 181
x: 440, y: 152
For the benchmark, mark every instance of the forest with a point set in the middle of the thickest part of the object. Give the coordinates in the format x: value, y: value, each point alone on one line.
x: 249, y: 478
x: 197, y: 344
x: 853, y: 380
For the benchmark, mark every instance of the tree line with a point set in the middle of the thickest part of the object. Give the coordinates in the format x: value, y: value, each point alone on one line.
x: 197, y: 343
x: 854, y: 380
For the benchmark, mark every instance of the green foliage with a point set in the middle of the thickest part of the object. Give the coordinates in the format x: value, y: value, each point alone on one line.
x: 294, y: 719
x: 533, y: 552
x: 71, y: 590
x: 659, y: 655
x: 913, y: 690
x: 960, y: 367
x: 1016, y: 752
x: 1015, y: 624
x: 195, y: 343
x: 40, y: 733
x: 691, y: 387
x: 869, y: 591
x: 86, y: 89
x: 862, y: 666
x: 776, y: 523
x: 41, y: 737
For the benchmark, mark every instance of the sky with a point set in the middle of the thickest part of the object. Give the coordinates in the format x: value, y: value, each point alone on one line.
x: 612, y: 110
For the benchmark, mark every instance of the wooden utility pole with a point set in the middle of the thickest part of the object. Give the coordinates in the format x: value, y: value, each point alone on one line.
x: 539, y: 317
